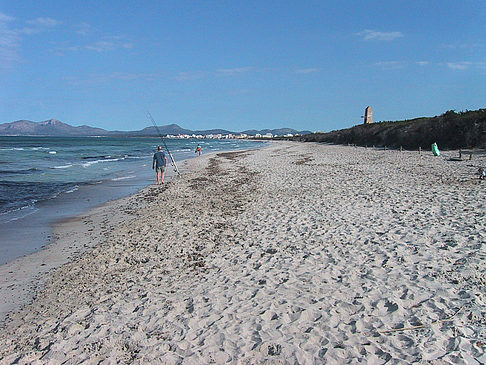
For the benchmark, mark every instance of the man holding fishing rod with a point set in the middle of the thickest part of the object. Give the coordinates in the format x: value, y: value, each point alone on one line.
x: 159, y: 163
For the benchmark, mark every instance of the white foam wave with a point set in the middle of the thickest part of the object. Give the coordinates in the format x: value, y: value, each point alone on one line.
x: 76, y: 187
x: 137, y: 157
x: 52, y: 152
x: 63, y: 166
x: 18, y: 209
x: 87, y: 164
x: 18, y: 213
x: 123, y: 178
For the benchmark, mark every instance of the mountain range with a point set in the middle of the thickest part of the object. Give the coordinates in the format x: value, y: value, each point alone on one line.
x: 54, y: 127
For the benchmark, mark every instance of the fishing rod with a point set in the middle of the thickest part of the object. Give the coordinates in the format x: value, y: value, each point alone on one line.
x: 172, y: 161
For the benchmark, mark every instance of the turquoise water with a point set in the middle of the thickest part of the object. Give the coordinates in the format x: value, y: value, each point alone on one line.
x: 38, y: 175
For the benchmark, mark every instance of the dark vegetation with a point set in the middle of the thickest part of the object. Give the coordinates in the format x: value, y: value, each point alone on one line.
x: 450, y: 130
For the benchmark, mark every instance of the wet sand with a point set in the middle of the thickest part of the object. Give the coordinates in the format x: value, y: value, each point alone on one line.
x: 295, y: 253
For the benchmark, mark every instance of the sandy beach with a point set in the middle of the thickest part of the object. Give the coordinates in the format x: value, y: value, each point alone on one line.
x: 295, y: 253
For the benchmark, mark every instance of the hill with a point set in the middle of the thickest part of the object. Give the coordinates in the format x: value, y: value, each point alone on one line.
x: 450, y: 130
x: 51, y: 127
x: 278, y: 132
x: 173, y: 129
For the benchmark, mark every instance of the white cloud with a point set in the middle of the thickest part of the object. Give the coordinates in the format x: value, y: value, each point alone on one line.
x: 464, y: 45
x: 104, y: 45
x: 306, y: 70
x: 44, y: 22
x: 391, y: 65
x: 190, y: 75
x: 101, y: 46
x: 233, y: 71
x: 93, y: 79
x: 9, y: 42
x: 11, y: 37
x: 4, y: 18
x: 83, y: 28
x: 196, y: 75
x: 39, y: 25
x: 369, y: 35
x: 459, y: 65
x: 422, y: 63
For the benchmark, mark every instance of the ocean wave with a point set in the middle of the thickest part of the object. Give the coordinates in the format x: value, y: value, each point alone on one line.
x: 104, y: 157
x: 52, y: 152
x: 17, y: 195
x: 21, y: 172
x: 94, y: 157
x: 138, y: 157
x: 74, y: 188
x: 88, y: 164
x: 63, y: 166
x: 24, y: 148
x: 18, y: 209
x: 7, y: 149
x: 123, y: 178
x: 18, y: 213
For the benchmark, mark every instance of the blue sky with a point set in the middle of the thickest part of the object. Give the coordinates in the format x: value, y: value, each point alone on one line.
x: 239, y: 64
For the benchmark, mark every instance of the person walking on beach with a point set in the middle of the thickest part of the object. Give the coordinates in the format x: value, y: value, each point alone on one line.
x: 159, y: 163
x: 198, y: 150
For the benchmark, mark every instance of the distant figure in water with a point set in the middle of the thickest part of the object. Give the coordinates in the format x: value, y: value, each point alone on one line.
x: 159, y: 163
x: 198, y: 150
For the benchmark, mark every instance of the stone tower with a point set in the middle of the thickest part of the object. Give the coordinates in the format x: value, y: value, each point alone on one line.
x: 368, y: 117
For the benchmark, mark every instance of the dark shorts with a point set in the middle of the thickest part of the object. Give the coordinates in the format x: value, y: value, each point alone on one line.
x: 160, y: 168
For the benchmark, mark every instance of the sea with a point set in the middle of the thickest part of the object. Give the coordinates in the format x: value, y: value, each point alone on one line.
x: 44, y: 180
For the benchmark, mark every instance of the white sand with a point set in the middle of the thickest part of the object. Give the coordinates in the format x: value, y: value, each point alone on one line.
x: 296, y: 253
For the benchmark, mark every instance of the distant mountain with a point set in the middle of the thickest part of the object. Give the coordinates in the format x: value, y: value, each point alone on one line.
x: 164, y: 130
x: 214, y: 131
x: 171, y: 129
x: 51, y: 127
x: 54, y: 127
x: 277, y: 132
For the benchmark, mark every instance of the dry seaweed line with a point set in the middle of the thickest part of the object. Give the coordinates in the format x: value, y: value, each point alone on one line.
x: 422, y: 325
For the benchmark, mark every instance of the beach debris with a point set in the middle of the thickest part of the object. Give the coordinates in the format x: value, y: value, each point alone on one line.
x: 271, y: 349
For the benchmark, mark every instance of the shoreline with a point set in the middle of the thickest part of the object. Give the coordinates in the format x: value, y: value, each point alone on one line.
x: 65, y: 240
x: 22, y: 277
x: 26, y: 229
x: 29, y: 234
x: 290, y: 253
